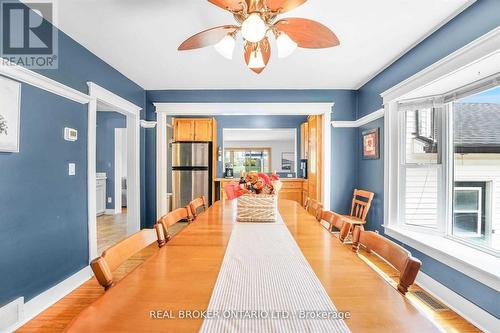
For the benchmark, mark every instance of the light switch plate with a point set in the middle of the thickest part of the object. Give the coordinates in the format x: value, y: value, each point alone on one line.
x: 71, y: 169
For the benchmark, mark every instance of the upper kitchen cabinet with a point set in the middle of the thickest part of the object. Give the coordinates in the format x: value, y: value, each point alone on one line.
x: 203, y: 130
x: 193, y: 129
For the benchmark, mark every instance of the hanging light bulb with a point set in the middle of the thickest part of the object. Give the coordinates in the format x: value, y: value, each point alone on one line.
x: 286, y: 45
x: 253, y: 28
x: 226, y: 46
x: 256, y: 60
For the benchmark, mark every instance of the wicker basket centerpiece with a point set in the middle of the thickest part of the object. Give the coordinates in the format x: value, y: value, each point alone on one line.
x: 257, y: 208
x: 257, y: 195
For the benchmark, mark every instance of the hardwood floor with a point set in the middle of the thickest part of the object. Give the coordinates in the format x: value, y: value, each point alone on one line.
x: 58, y: 316
x: 111, y: 229
x: 447, y: 319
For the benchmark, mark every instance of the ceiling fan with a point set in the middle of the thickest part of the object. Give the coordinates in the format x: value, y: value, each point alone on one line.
x: 255, y: 19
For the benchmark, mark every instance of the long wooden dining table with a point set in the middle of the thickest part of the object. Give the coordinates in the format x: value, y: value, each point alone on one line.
x: 181, y: 276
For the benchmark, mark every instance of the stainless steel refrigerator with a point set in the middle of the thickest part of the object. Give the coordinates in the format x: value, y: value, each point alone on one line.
x: 191, y: 176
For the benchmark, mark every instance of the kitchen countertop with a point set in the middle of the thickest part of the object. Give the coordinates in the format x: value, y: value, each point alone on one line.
x: 283, y: 179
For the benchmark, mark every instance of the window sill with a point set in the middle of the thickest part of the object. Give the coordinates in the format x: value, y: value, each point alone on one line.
x: 478, y: 265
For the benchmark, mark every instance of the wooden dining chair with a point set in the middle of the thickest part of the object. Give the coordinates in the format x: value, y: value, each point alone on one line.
x: 196, y: 204
x: 361, y: 203
x: 315, y: 208
x: 306, y: 203
x: 334, y: 222
x: 113, y: 257
x: 396, y: 255
x: 168, y: 220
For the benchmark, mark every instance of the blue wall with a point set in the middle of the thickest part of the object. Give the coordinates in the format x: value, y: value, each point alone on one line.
x: 105, y: 150
x: 474, y: 22
x: 344, y: 109
x: 43, y: 211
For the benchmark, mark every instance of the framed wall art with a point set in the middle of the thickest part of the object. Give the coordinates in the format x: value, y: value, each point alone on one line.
x: 10, y: 109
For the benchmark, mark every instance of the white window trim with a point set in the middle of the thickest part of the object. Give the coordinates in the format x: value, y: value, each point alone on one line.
x: 477, y: 264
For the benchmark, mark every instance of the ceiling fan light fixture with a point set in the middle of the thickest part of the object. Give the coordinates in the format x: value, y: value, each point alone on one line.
x: 286, y: 45
x: 253, y: 29
x: 226, y: 46
x: 256, y: 60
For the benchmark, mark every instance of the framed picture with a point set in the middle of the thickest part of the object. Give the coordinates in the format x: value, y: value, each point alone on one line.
x: 10, y: 108
x: 371, y: 144
x: 287, y: 161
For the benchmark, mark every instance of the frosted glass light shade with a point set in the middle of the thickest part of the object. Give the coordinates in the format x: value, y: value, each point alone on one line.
x: 253, y: 29
x: 226, y: 47
x: 286, y: 45
x: 256, y: 60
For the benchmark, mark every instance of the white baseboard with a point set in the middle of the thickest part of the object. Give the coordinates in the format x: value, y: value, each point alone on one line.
x: 43, y: 301
x: 468, y: 310
x: 110, y: 212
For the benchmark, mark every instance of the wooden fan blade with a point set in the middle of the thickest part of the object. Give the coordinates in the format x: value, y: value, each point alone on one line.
x: 265, y: 48
x: 308, y: 33
x: 283, y: 6
x: 207, y: 37
x: 230, y: 5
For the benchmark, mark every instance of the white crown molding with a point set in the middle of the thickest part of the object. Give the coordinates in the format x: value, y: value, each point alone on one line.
x: 30, y: 77
x: 199, y: 109
x: 361, y: 121
x: 470, y: 53
x: 114, y: 101
x: 412, y: 46
x: 468, y: 310
x: 46, y: 299
x: 148, y: 124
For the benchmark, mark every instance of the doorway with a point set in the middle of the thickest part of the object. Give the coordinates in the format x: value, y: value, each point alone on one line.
x: 111, y: 177
x: 113, y: 154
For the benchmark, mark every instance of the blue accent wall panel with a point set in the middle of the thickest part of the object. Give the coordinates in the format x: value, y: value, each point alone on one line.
x: 475, y: 21
x: 105, y: 149
x: 43, y: 211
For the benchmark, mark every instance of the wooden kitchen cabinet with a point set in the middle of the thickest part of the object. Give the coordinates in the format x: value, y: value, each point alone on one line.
x: 203, y: 130
x: 193, y: 129
x: 315, y: 158
x: 292, y: 190
x: 184, y: 130
x: 304, y: 141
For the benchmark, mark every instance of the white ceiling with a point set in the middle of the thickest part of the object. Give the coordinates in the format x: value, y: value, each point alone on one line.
x: 140, y: 39
x: 275, y: 134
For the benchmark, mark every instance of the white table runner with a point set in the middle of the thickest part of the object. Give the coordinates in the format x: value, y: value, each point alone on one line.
x: 266, y: 285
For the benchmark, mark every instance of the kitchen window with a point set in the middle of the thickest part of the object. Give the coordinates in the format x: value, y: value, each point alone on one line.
x: 248, y: 159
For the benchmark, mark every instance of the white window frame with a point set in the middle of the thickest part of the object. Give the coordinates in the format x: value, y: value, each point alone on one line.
x: 477, y: 264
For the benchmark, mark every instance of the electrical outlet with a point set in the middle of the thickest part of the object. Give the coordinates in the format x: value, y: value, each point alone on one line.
x: 110, y: 200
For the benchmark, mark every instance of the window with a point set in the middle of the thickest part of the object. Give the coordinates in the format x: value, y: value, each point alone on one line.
x: 421, y: 167
x: 246, y: 159
x: 449, y: 168
x: 469, y: 210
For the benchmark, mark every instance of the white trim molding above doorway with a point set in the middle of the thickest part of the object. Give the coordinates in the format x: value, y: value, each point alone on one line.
x: 115, y: 103
x: 218, y: 109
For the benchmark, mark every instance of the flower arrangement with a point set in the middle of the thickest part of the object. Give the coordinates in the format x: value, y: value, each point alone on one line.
x: 254, y: 183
